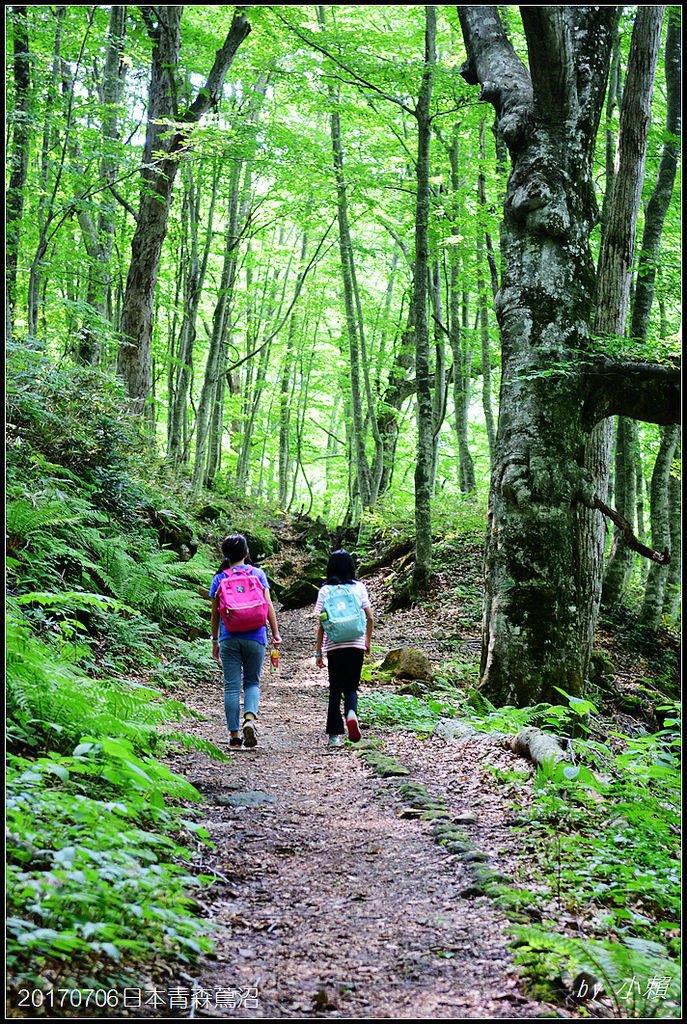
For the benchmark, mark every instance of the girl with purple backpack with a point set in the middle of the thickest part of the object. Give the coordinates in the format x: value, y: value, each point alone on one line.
x: 241, y: 607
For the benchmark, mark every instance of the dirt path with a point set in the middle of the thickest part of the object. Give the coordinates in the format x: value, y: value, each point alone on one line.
x: 327, y: 902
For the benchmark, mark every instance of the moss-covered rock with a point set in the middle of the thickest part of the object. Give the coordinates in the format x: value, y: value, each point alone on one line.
x: 408, y: 663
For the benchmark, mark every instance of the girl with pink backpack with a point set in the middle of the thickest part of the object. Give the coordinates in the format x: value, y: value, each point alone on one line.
x: 241, y: 608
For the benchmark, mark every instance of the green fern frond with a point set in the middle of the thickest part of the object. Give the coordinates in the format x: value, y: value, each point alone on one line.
x: 61, y: 702
x: 196, y: 743
x: 476, y: 700
x: 23, y: 519
x: 637, y: 976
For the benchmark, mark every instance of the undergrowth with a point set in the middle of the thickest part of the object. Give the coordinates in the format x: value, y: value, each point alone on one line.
x: 102, y: 619
x: 603, y: 867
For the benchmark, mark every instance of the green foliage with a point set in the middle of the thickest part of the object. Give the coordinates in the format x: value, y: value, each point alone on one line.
x: 606, y: 824
x: 98, y: 880
x: 75, y: 417
x: 52, y: 703
x: 95, y: 883
x: 90, y: 892
x: 636, y: 978
x: 612, y: 816
x: 404, y: 711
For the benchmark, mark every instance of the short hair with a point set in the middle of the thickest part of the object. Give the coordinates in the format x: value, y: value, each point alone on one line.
x: 235, y: 547
x: 340, y: 567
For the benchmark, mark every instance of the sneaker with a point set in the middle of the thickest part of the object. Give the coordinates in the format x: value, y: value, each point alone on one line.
x: 250, y: 732
x: 335, y: 741
x: 352, y: 727
x: 235, y: 741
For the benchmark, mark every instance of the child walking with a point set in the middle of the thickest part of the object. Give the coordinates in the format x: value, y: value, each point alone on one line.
x: 344, y: 659
x: 240, y: 653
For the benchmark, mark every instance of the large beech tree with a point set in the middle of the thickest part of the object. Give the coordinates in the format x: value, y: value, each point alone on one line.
x: 558, y: 382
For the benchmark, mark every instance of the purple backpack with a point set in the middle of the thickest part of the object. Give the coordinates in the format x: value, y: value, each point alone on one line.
x: 241, y: 601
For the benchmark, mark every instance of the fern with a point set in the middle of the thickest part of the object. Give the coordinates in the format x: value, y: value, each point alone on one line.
x: 638, y: 977
x: 61, y: 703
x: 24, y: 519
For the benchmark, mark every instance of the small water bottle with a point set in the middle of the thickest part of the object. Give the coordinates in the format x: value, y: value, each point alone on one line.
x: 274, y: 659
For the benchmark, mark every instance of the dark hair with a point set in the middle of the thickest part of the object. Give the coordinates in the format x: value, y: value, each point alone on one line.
x: 340, y: 567
x: 234, y: 548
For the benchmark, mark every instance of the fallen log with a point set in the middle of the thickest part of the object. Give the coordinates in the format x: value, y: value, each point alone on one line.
x: 537, y: 746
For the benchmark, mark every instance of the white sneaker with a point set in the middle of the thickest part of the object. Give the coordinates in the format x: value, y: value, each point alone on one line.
x: 335, y: 741
x: 250, y: 732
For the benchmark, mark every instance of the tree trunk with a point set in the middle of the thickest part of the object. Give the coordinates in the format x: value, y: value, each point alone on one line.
x: 625, y: 502
x: 673, y: 586
x: 159, y: 168
x: 19, y: 156
x: 194, y: 278
x: 215, y: 362
x: 484, y: 248
x: 157, y: 181
x: 532, y: 622
x: 425, y: 451
x: 400, y: 386
x: 440, y: 393
x: 46, y: 202
x: 655, y: 593
x: 556, y: 386
x: 352, y: 323
x: 99, y: 271
x: 460, y: 348
x: 621, y: 209
x: 97, y: 222
x: 285, y: 394
x: 621, y: 559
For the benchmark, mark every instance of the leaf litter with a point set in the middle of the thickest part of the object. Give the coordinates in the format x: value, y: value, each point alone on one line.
x: 327, y: 901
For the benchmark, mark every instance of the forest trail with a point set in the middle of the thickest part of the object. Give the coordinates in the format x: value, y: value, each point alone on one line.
x: 327, y: 902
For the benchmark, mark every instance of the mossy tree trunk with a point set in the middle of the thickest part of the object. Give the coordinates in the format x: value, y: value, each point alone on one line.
x: 555, y: 387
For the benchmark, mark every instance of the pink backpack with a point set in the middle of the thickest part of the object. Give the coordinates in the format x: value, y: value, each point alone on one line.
x: 241, y: 600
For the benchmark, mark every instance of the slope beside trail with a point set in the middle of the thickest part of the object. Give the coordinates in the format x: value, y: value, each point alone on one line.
x: 326, y: 902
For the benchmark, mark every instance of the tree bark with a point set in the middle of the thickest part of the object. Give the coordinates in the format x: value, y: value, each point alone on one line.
x: 625, y: 486
x: 532, y: 628
x: 425, y: 449
x: 654, y: 596
x: 160, y: 163
x: 221, y: 317
x: 621, y: 559
x: 285, y: 395
x: 621, y: 208
x: 673, y: 584
x: 19, y: 156
x: 194, y: 277
x: 484, y: 247
x: 354, y: 327
x: 46, y: 203
x: 460, y: 348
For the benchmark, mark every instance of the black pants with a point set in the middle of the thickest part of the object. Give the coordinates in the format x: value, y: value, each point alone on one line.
x: 344, y: 667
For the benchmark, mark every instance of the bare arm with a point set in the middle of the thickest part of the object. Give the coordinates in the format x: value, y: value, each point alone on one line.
x: 369, y: 626
x: 272, y: 619
x: 319, y: 639
x: 214, y: 629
